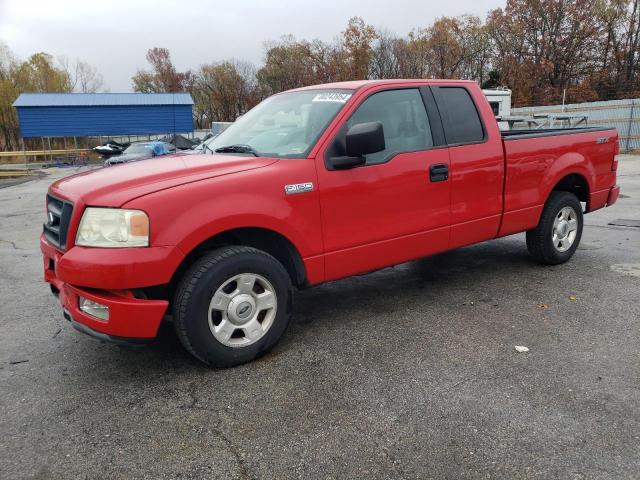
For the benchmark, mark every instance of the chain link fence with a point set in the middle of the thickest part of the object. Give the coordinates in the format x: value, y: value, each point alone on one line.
x: 623, y: 115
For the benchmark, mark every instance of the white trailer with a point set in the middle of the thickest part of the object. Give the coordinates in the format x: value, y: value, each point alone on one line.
x: 500, y: 101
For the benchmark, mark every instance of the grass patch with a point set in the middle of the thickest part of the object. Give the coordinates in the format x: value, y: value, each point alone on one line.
x: 15, y: 173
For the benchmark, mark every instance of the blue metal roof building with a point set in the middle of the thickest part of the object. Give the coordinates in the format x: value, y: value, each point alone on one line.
x: 103, y: 114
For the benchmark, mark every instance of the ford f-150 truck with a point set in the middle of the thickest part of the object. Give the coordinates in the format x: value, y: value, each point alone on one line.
x: 312, y: 185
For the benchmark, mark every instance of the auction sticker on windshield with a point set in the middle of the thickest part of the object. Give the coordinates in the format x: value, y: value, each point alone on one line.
x: 339, y: 97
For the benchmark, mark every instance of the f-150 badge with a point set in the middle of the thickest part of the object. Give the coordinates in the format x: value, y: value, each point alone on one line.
x: 295, y: 188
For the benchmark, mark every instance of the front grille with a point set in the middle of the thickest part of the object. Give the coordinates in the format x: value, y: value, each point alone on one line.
x: 58, y: 218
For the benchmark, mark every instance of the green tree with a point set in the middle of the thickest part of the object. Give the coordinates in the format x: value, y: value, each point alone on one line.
x: 38, y: 74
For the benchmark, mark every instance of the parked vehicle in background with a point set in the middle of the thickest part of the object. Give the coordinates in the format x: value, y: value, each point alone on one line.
x: 310, y: 186
x: 141, y: 151
x: 180, y: 142
x: 111, y: 148
x: 216, y: 129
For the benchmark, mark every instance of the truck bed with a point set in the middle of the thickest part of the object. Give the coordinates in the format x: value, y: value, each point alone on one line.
x: 536, y: 160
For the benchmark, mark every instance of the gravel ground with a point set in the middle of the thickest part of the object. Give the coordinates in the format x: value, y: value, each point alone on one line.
x: 409, y: 372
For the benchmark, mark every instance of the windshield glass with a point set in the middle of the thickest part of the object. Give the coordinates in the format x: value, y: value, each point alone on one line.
x: 285, y: 125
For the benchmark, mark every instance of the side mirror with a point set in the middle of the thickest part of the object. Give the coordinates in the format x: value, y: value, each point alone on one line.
x: 364, y: 138
x: 360, y: 140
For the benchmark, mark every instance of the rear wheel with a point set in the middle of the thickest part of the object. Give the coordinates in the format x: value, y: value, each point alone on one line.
x: 558, y: 233
x: 232, y: 306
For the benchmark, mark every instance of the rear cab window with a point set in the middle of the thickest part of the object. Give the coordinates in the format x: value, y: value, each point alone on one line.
x: 461, y: 119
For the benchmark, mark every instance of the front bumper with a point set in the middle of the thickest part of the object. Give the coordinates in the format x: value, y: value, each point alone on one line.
x: 129, y: 317
x: 127, y: 341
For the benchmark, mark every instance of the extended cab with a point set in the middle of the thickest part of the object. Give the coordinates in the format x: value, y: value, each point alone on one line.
x: 311, y: 185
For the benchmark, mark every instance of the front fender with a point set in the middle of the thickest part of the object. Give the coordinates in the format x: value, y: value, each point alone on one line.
x: 187, y: 215
x: 247, y: 220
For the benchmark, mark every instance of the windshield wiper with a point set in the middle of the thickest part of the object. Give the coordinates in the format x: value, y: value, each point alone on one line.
x: 239, y: 148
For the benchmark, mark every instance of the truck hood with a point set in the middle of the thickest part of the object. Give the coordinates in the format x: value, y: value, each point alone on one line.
x: 116, y: 185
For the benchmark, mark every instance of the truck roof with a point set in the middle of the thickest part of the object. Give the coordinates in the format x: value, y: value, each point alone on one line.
x: 356, y: 84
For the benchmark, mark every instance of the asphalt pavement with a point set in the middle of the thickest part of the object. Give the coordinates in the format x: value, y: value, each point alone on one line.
x: 409, y: 372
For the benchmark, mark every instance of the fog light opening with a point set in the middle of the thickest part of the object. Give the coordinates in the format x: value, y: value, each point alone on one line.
x: 93, y: 308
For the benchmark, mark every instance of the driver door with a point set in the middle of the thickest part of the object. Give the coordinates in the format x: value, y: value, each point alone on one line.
x: 391, y: 209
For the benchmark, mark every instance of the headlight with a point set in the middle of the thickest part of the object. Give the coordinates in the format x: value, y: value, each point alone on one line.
x: 113, y: 228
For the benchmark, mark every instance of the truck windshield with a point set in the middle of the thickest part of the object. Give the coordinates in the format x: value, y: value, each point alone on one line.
x: 285, y: 125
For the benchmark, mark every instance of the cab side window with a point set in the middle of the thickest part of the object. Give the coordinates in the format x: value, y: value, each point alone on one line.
x: 404, y: 121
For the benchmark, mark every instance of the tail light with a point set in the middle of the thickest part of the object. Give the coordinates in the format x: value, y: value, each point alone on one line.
x: 616, y: 151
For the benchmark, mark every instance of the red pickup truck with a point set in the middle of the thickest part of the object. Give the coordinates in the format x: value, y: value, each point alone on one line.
x: 311, y: 185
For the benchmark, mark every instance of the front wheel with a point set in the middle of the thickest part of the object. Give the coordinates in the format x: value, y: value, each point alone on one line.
x: 558, y: 233
x: 232, y: 306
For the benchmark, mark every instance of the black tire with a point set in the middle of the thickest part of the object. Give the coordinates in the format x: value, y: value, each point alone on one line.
x: 539, y: 240
x: 196, y: 289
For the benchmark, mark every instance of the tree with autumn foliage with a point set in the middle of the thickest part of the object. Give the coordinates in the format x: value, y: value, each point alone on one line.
x: 581, y: 50
x: 357, y: 42
x: 291, y: 63
x: 457, y: 47
x: 223, y: 91
x: 618, y: 66
x: 39, y: 73
x: 163, y: 76
x: 545, y: 47
x: 544, y: 50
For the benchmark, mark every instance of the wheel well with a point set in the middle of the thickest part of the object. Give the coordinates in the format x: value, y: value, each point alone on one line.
x: 268, y: 241
x: 576, y: 184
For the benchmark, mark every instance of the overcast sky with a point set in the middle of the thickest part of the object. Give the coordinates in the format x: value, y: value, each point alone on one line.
x: 114, y: 35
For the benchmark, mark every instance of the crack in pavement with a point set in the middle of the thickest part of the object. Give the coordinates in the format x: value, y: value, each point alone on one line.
x: 242, y: 467
x: 12, y: 243
x: 192, y: 404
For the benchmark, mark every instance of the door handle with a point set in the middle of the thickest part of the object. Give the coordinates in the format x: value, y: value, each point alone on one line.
x: 439, y: 172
